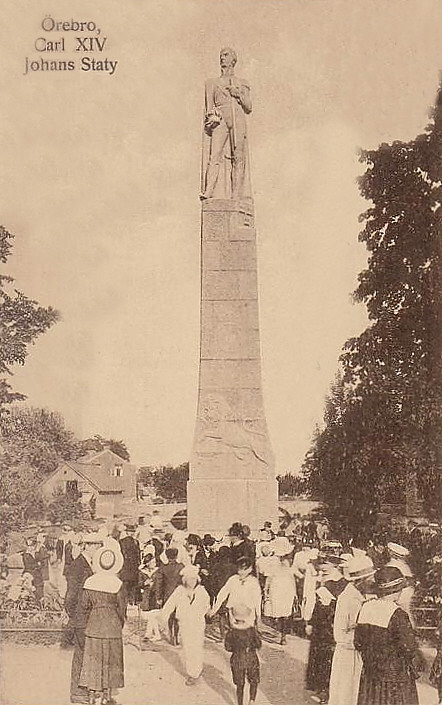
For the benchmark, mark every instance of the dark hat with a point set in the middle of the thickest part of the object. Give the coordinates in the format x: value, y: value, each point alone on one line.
x: 236, y: 529
x: 193, y: 540
x: 208, y: 540
x: 389, y: 580
x: 130, y: 527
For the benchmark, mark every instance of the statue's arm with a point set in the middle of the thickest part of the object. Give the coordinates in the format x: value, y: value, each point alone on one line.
x: 241, y: 93
x: 209, y: 96
x: 246, y: 98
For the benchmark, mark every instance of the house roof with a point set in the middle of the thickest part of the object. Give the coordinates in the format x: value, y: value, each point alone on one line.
x: 96, y: 470
x: 98, y: 475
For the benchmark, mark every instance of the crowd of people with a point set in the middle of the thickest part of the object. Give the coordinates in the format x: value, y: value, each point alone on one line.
x: 353, y: 603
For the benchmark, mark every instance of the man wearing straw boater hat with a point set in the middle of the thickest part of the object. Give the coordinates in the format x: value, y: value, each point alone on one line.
x: 399, y: 556
x: 347, y: 664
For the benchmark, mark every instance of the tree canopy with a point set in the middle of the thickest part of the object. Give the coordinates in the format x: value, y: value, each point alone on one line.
x: 38, y: 438
x: 23, y: 320
x: 171, y: 482
x: 383, y: 419
x: 98, y: 443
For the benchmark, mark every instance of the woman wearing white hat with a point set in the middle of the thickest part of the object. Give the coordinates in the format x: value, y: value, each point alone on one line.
x: 103, y: 601
x: 347, y: 663
x: 191, y: 603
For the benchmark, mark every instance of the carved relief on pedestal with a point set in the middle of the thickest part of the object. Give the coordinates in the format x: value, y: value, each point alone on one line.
x: 221, y: 430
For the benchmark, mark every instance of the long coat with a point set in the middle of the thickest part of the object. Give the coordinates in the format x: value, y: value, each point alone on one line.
x: 130, y: 548
x: 78, y: 572
x: 103, y: 610
x: 390, y: 655
x: 347, y: 662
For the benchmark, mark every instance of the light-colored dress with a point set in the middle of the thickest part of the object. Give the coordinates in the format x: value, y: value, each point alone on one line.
x: 190, y: 609
x: 347, y: 662
x: 281, y: 590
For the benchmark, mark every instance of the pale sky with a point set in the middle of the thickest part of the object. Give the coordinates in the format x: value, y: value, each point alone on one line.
x: 100, y: 179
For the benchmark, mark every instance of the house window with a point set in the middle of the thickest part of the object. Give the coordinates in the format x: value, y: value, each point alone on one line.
x: 117, y: 471
x: 72, y: 487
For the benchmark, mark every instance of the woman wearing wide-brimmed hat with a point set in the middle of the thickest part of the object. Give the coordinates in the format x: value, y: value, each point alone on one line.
x: 347, y: 663
x: 104, y: 604
x: 385, y: 638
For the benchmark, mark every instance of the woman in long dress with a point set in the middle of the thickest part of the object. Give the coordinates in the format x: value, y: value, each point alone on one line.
x: 320, y: 627
x: 103, y: 602
x: 190, y: 602
x: 385, y: 638
x: 347, y: 663
x: 281, y: 588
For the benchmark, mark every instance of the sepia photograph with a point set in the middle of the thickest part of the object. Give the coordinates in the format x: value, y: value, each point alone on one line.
x: 221, y: 352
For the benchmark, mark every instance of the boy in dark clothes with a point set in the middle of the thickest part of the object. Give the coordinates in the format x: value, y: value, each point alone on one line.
x: 242, y: 641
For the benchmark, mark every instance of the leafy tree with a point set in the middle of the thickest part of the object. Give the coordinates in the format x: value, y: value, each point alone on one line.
x: 23, y: 320
x: 98, y: 443
x: 146, y: 474
x: 292, y: 485
x: 21, y: 498
x: 171, y: 482
x: 66, y: 507
x: 383, y: 417
x: 38, y: 438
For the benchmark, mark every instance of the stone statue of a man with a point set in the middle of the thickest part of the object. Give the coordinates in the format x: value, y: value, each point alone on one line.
x: 227, y: 103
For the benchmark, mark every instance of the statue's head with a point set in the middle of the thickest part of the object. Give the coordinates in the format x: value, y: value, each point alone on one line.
x: 227, y: 57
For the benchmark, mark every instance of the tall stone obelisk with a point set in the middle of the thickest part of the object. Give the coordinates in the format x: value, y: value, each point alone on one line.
x: 232, y: 476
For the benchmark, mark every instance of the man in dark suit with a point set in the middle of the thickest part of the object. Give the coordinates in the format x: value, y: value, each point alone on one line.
x: 63, y: 548
x: 80, y: 569
x: 130, y: 548
x: 33, y: 565
x: 166, y: 579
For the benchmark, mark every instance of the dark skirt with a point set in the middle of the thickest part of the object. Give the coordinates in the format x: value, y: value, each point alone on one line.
x: 102, y: 664
x: 375, y: 692
x: 320, y: 657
